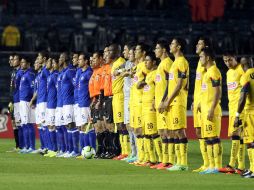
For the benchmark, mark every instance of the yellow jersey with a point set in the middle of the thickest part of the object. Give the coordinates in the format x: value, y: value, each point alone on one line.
x: 179, y: 69
x: 200, y: 71
x: 234, y: 87
x: 212, y: 78
x: 149, y: 90
x: 117, y: 81
x: 141, y: 72
x: 161, y: 79
x: 247, y: 82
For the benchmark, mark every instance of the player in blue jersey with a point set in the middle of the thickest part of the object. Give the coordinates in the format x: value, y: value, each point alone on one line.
x: 51, y: 105
x: 26, y: 112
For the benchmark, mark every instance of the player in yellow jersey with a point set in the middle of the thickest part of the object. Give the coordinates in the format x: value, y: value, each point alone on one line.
x: 161, y: 84
x: 118, y: 97
x: 176, y: 103
x: 234, y: 74
x: 246, y: 107
x: 139, y: 76
x: 211, y: 110
x: 202, y: 42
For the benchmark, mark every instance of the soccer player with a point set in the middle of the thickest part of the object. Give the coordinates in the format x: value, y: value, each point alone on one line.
x: 68, y: 111
x: 84, y: 100
x: 26, y: 112
x: 200, y: 70
x: 51, y: 105
x: 176, y: 103
x: 234, y: 74
x: 161, y: 84
x: 114, y: 52
x: 246, y: 108
x: 211, y: 110
x: 148, y: 109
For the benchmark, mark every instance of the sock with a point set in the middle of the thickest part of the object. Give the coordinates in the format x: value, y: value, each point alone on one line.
x: 107, y: 142
x: 177, y: 152
x: 165, y: 151
x: 65, y: 134
x: 217, y: 152
x: 133, y: 144
x: 126, y: 142
x: 70, y: 143
x: 183, y: 151
x: 41, y: 138
x: 21, y: 138
x: 146, y: 151
x: 203, y: 150
x: 171, y: 151
x: 116, y: 143
x: 140, y: 148
x: 234, y: 150
x: 252, y: 158
x: 121, y: 142
x: 241, y: 156
x: 158, y: 147
x: 75, y: 139
x: 52, y: 134
x: 48, y: 140
x: 100, y: 137
x: 151, y: 149
x: 81, y: 140
x: 210, y: 154
x: 249, y: 150
x: 60, y: 134
x: 16, y: 137
x: 25, y: 136
x: 92, y: 139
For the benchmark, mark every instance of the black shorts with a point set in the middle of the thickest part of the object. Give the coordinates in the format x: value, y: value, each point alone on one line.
x: 95, y: 114
x: 108, y: 109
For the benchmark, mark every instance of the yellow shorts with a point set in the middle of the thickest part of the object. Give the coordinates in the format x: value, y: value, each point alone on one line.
x: 176, y: 118
x: 231, y: 120
x: 211, y: 128
x: 161, y: 120
x: 248, y: 128
x: 118, y: 108
x: 196, y: 118
x: 137, y: 116
x: 150, y: 125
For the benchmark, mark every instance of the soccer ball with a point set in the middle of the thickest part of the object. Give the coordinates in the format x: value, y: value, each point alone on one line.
x: 88, y: 152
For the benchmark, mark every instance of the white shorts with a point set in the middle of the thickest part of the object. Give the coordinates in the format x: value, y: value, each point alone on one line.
x: 59, y: 119
x: 126, y: 111
x: 68, y: 114
x: 50, y: 116
x: 77, y: 115
x: 16, y: 113
x: 27, y: 114
x: 85, y: 115
x: 41, y: 113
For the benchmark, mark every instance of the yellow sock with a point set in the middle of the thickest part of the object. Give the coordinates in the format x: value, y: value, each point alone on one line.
x: 217, y: 152
x: 126, y: 144
x: 183, y: 153
x: 147, y: 155
x: 158, y: 148
x: 140, y: 148
x: 241, y: 156
x: 234, y: 151
x: 252, y: 158
x: 171, y: 152
x: 164, y: 151
x: 203, y: 150
x: 150, y: 150
x: 249, y: 150
x: 210, y: 156
x: 121, y: 143
x: 178, y: 154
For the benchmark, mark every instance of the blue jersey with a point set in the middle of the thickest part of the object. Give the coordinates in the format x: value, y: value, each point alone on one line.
x: 67, y: 85
x: 51, y: 90
x: 36, y: 83
x: 42, y: 85
x: 18, y: 76
x: 27, y: 85
x: 83, y: 88
x: 75, y: 84
x: 59, y: 88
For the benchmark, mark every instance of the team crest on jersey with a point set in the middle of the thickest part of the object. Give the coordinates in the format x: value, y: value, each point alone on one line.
x: 204, y: 86
x: 232, y: 85
x: 198, y: 76
x: 146, y: 88
x: 135, y: 79
x: 82, y: 78
x: 170, y: 76
x: 97, y: 78
x: 158, y: 78
x: 113, y: 77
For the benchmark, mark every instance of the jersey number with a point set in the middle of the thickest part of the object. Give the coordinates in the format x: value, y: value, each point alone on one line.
x: 209, y: 128
x: 149, y: 125
x: 175, y: 120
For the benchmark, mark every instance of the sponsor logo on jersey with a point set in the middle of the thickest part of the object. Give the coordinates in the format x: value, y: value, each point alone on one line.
x: 204, y: 86
x: 232, y: 85
x: 198, y: 76
x: 146, y: 88
x: 158, y: 78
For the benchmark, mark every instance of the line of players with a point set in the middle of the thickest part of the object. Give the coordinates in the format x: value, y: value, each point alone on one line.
x: 138, y: 107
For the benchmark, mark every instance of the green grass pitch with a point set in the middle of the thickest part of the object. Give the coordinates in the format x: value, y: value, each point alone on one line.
x: 18, y: 172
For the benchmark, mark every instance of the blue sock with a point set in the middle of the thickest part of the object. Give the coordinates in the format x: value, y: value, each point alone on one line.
x: 70, y: 143
x: 92, y: 139
x: 25, y: 136
x: 31, y: 136
x: 81, y: 140
x: 86, y: 139
x: 21, y: 138
x: 75, y: 139
x: 65, y: 138
x: 49, y: 144
x: 52, y: 134
x: 41, y: 138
